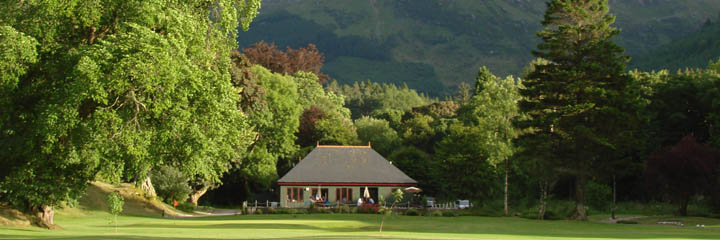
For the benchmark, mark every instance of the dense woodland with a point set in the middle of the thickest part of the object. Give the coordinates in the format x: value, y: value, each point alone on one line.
x: 158, y: 95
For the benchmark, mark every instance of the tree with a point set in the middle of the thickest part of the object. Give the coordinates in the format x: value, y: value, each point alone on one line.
x: 684, y: 170
x: 307, y: 59
x: 378, y: 132
x: 118, y: 92
x: 578, y: 92
x: 397, y: 196
x: 494, y: 107
x: 115, y: 203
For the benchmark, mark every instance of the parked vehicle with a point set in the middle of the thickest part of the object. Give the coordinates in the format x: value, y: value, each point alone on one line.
x: 430, y: 201
x: 462, y: 204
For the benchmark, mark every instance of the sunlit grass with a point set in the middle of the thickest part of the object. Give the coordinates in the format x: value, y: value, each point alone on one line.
x: 95, y: 225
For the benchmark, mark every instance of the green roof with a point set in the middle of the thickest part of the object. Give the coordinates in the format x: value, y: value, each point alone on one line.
x: 345, y: 164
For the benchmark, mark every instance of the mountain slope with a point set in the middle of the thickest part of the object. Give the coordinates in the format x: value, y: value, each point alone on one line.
x: 692, y: 51
x: 433, y: 45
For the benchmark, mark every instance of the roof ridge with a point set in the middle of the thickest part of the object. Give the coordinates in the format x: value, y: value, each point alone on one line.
x: 342, y: 146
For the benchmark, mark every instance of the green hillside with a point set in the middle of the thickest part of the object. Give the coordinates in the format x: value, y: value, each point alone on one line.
x: 693, y: 50
x: 433, y: 45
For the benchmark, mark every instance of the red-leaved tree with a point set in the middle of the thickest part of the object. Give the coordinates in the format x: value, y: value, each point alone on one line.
x: 307, y: 59
x: 682, y: 171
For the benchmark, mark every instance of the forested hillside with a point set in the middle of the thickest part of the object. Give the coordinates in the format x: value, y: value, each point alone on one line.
x: 435, y: 45
x: 693, y: 50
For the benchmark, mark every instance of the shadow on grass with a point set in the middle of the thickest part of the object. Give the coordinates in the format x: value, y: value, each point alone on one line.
x: 164, y: 238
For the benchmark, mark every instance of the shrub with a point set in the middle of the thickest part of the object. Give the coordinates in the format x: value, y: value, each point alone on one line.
x: 115, y: 204
x: 559, y: 209
x: 170, y: 184
x: 368, y: 208
x: 270, y: 210
x: 436, y: 213
x: 342, y: 209
x: 626, y: 222
x: 449, y: 213
x: 412, y: 212
x: 598, y: 196
x: 286, y: 211
x: 258, y: 211
x: 185, y: 207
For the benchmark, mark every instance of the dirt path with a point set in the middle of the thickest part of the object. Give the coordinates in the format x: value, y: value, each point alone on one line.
x: 622, y: 219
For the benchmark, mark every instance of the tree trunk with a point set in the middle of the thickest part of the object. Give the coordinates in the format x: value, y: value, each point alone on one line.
x: 543, y: 199
x: 614, y: 203
x: 507, y: 170
x: 46, y: 216
x: 196, y: 194
x: 580, y: 212
x: 683, y: 206
x: 148, y: 188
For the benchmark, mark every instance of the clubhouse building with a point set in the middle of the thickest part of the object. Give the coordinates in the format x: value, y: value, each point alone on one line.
x: 339, y: 175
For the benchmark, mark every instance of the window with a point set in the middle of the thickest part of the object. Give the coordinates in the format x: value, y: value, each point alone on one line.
x: 295, y: 194
x: 343, y: 194
x: 323, y: 193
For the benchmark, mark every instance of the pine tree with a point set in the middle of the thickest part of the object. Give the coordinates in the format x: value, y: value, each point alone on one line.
x: 574, y: 99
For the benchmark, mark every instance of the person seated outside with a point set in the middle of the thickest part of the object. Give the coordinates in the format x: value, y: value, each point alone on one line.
x: 360, y: 202
x: 372, y: 201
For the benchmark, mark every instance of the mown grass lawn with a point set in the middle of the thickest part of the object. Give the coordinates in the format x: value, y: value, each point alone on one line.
x: 95, y: 225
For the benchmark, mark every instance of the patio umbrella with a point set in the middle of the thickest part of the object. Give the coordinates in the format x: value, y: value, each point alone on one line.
x: 367, y: 193
x: 412, y: 190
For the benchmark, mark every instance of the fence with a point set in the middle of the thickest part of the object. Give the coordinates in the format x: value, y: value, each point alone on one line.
x: 252, y: 206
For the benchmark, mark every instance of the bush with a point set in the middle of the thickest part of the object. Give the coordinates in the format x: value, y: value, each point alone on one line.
x: 186, y: 207
x: 436, y: 213
x: 170, y: 184
x: 368, y: 208
x: 559, y: 210
x: 286, y: 211
x: 258, y: 211
x: 626, y: 222
x: 412, y: 212
x: 342, y: 209
x: 449, y: 213
x: 270, y: 211
x: 598, y: 196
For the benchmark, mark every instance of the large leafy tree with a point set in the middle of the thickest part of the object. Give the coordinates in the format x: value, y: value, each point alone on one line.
x: 493, y: 109
x: 683, y: 170
x: 118, y: 87
x: 576, y: 97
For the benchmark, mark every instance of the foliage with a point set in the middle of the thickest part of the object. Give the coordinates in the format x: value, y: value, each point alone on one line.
x: 686, y: 169
x: 276, y: 122
x: 412, y: 212
x: 119, y: 87
x: 307, y: 59
x: 434, y: 46
x: 396, y: 196
x: 375, y: 100
x: 368, y: 208
x: 171, y: 184
x: 115, y: 204
x: 378, y: 132
x: 187, y: 207
x: 578, y: 98
x: 342, y: 209
x: 436, y: 213
x: 449, y: 213
x: 598, y: 196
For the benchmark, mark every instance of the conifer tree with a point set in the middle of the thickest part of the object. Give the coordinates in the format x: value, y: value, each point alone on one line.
x: 576, y: 97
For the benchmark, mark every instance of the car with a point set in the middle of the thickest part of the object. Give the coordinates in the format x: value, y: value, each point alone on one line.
x: 462, y: 204
x: 430, y: 201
